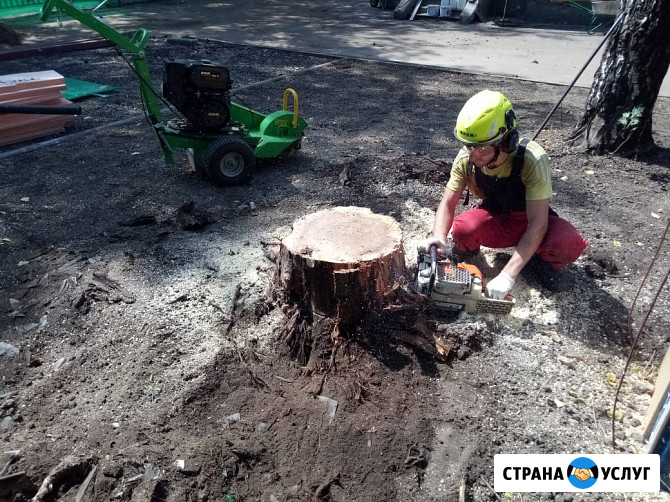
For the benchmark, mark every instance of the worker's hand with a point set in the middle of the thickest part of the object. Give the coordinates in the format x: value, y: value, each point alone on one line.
x: 441, y: 245
x: 500, y: 286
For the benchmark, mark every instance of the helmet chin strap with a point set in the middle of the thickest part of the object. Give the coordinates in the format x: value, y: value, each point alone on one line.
x: 498, y: 150
x: 495, y: 157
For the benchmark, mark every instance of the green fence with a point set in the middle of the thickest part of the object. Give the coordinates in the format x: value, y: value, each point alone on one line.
x: 11, y: 8
x: 8, y: 4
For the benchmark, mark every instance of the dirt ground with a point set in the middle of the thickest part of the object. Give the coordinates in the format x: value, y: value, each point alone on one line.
x: 147, y: 352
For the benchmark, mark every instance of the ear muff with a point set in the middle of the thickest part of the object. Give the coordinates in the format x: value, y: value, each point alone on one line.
x: 510, y: 119
x: 510, y: 141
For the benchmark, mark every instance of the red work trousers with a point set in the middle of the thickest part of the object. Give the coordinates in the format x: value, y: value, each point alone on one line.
x: 561, y: 245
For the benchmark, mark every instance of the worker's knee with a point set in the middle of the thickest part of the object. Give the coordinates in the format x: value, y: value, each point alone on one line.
x: 467, y: 224
x: 563, y: 243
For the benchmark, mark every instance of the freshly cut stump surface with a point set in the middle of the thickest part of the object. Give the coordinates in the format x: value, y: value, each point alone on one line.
x: 344, y: 260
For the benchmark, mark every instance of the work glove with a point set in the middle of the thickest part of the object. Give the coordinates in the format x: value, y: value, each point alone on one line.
x: 441, y: 245
x: 500, y: 286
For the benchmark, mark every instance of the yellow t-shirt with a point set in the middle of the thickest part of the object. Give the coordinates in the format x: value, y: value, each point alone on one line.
x: 535, y: 174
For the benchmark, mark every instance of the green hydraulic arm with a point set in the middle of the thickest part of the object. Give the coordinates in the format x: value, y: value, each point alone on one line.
x: 134, y: 46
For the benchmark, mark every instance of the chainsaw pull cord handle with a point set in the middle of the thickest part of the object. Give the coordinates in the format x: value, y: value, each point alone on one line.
x: 433, y: 269
x: 295, y: 105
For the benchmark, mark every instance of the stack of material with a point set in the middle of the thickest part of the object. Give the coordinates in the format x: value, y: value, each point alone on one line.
x: 35, y: 88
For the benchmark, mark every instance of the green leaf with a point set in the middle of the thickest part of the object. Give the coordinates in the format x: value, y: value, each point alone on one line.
x: 630, y: 120
x: 636, y: 112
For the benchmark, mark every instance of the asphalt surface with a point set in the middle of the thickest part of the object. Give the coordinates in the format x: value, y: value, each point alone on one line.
x: 354, y: 29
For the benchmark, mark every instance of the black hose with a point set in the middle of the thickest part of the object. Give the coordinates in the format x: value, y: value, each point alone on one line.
x: 572, y: 84
x: 41, y: 110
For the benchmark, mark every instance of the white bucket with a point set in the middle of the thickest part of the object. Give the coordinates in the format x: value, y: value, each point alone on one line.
x: 454, y: 4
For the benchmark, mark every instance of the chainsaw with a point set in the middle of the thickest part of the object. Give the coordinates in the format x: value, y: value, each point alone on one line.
x: 456, y: 286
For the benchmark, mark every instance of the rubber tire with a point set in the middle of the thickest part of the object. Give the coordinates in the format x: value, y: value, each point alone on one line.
x: 200, y: 168
x: 229, y: 161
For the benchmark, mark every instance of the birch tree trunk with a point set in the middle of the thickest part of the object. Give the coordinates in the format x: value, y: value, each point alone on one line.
x: 618, y: 112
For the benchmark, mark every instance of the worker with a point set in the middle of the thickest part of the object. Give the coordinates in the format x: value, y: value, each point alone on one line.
x: 512, y: 178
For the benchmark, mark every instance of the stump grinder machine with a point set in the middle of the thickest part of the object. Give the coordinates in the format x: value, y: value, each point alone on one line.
x: 456, y: 286
x: 222, y: 138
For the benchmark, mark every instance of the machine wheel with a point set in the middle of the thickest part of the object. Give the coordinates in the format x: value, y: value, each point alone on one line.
x: 200, y: 169
x: 229, y: 161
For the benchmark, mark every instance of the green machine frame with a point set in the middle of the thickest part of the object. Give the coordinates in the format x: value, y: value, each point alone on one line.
x: 268, y: 136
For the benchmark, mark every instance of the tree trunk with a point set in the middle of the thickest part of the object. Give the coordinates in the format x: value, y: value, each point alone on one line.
x: 336, y: 266
x: 343, y: 261
x: 618, y: 112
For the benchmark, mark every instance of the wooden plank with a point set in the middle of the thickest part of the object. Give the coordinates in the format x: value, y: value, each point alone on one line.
x: 11, y: 120
x: 28, y: 131
x: 44, y: 121
x: 75, y: 45
x: 28, y: 96
x: 16, y: 127
x: 31, y: 80
x: 27, y: 136
x: 661, y: 388
x: 35, y: 124
x: 54, y: 126
x: 31, y: 88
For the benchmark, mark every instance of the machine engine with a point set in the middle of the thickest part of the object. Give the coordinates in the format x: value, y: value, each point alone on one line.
x: 199, y: 91
x: 456, y: 286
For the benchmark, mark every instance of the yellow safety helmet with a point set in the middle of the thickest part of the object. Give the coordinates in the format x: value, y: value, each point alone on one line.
x: 484, y: 119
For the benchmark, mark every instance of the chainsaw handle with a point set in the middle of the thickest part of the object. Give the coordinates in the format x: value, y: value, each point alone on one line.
x: 433, y: 255
x: 433, y: 269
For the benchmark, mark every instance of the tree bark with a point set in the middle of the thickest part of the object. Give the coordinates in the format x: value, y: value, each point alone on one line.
x: 336, y: 266
x: 342, y: 261
x: 618, y: 111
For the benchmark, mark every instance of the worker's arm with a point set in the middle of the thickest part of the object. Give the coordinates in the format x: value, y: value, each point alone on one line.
x: 444, y: 217
x: 538, y: 218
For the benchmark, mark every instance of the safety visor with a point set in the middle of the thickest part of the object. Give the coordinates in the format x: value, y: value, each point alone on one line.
x: 480, y: 146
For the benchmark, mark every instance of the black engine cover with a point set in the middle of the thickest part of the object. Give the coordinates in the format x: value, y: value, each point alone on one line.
x: 199, y: 91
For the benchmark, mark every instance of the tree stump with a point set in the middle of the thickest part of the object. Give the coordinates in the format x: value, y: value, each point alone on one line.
x: 337, y: 265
